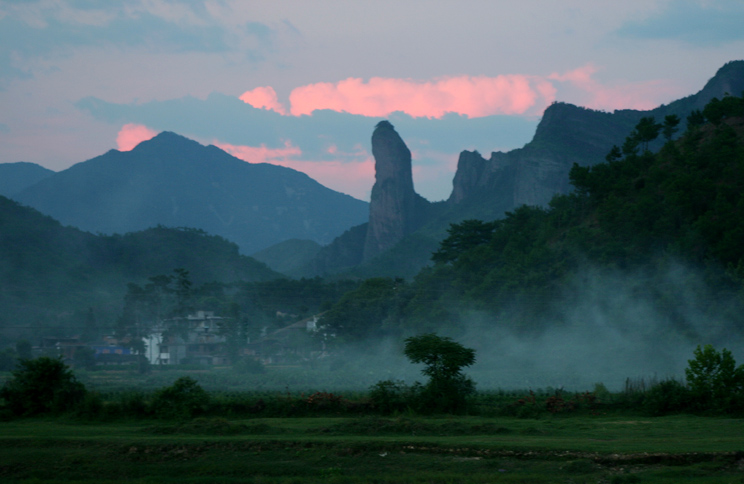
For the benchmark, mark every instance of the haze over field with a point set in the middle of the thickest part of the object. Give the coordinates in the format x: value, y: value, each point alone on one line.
x: 302, y: 84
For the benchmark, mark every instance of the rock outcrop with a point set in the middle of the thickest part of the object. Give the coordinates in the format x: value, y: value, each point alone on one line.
x: 395, y: 209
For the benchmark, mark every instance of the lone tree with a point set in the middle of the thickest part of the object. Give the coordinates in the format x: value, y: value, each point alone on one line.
x: 444, y: 359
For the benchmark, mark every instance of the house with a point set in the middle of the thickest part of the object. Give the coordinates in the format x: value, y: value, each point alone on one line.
x: 291, y: 344
x: 195, y: 339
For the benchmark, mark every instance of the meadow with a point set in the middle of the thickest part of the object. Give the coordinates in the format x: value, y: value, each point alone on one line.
x: 375, y: 449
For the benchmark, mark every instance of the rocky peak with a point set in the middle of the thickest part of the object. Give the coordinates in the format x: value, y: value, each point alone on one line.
x: 471, y: 167
x: 394, y: 204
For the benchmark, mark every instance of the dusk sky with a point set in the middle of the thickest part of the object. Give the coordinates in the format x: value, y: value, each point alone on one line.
x: 302, y: 83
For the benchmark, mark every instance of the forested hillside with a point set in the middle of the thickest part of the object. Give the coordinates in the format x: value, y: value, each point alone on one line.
x: 647, y: 243
x: 51, y: 276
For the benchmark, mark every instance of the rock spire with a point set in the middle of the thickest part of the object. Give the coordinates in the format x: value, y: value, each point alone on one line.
x: 394, y: 205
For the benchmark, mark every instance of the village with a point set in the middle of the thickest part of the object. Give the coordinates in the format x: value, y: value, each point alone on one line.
x: 201, y: 339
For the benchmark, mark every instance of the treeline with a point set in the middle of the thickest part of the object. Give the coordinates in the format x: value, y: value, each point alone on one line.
x: 46, y: 386
x: 640, y: 214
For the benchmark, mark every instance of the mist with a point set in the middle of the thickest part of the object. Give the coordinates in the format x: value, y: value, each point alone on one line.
x: 608, y: 326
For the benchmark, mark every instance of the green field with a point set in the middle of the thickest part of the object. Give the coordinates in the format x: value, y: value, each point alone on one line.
x: 572, y: 449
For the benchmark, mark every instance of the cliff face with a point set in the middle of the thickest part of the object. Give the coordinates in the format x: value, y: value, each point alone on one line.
x: 395, y: 208
x: 567, y: 134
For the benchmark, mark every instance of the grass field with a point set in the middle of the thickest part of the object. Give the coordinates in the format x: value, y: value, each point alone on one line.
x: 572, y: 449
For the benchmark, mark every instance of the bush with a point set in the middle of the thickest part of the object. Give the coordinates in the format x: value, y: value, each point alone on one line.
x: 42, y: 385
x: 390, y: 396
x: 182, y: 400
x: 667, y: 397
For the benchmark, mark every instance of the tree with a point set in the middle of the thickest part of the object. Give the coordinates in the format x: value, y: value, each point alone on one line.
x: 42, y: 385
x: 714, y: 377
x: 670, y: 127
x: 444, y: 360
x: 695, y: 119
x: 646, y: 131
x: 614, y: 154
x: 462, y: 237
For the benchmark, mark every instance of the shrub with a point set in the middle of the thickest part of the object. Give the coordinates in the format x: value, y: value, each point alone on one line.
x: 390, y: 396
x: 184, y: 399
x: 40, y: 386
x: 669, y: 396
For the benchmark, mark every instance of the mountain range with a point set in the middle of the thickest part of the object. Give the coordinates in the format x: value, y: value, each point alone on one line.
x: 410, y: 228
x: 173, y: 181
x: 269, y: 210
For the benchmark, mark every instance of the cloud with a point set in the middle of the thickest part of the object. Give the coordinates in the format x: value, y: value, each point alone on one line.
x: 473, y: 96
x: 263, y: 98
x: 132, y: 134
x: 225, y: 118
x: 331, y: 147
x: 38, y: 30
x: 352, y: 173
x: 469, y: 96
x: 354, y: 178
x: 703, y: 23
x: 594, y: 95
x: 261, y: 154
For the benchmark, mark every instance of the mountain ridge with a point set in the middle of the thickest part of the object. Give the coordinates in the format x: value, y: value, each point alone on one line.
x: 174, y: 181
x: 14, y: 177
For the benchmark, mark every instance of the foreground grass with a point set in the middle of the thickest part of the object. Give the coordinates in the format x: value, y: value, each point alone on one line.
x: 373, y: 449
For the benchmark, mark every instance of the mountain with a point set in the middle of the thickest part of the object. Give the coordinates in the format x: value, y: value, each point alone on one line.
x: 173, y: 181
x: 395, y: 211
x: 49, y: 271
x: 568, y: 134
x: 14, y: 177
x: 486, y: 189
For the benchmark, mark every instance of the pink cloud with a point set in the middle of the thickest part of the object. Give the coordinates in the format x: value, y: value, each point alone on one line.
x: 354, y: 178
x: 474, y: 96
x: 353, y: 173
x: 261, y: 154
x: 640, y: 95
x: 130, y: 135
x: 263, y: 98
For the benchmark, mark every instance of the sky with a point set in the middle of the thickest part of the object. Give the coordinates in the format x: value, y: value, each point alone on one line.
x: 302, y: 83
